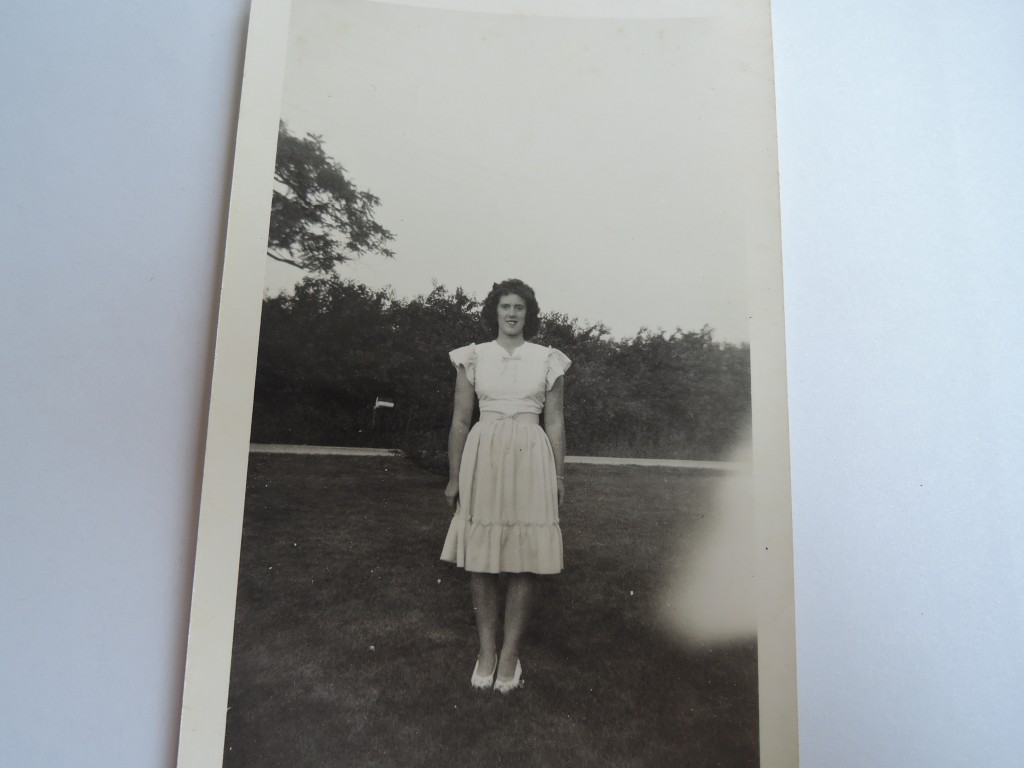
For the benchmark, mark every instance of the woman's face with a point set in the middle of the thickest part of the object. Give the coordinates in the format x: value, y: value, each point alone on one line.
x: 511, y: 315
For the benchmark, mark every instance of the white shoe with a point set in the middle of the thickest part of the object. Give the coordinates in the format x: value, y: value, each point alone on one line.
x: 483, y: 682
x: 507, y: 686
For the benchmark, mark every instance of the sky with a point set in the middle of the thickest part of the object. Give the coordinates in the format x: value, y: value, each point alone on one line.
x: 600, y: 160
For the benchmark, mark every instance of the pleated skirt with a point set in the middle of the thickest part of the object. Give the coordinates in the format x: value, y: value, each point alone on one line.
x: 506, y: 518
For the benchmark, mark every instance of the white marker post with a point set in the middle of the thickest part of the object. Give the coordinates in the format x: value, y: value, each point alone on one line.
x: 380, y: 403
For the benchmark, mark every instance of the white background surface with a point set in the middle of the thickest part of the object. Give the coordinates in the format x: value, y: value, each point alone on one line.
x: 902, y: 189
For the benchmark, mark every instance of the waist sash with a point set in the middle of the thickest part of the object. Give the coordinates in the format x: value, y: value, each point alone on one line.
x: 525, y: 417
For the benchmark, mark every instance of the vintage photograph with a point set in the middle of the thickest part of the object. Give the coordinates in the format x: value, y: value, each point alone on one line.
x: 506, y: 489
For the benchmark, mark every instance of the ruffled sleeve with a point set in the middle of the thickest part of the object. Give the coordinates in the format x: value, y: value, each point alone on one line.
x: 558, y: 364
x: 465, y: 357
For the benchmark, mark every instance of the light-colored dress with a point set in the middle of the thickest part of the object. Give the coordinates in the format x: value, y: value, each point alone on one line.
x: 506, y: 519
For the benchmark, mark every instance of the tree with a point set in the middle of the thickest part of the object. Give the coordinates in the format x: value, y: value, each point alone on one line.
x: 329, y: 349
x: 318, y: 217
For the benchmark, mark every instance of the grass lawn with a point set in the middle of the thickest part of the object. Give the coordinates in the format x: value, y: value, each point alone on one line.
x: 354, y: 643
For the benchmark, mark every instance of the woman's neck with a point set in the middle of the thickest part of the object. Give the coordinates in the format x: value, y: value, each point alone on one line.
x: 509, y: 343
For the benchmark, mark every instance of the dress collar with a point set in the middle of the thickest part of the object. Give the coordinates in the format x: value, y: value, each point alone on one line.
x: 515, y: 354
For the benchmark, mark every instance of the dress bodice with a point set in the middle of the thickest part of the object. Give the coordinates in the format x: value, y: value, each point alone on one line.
x: 515, y: 382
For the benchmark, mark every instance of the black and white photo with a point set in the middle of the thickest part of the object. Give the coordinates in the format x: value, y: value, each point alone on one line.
x: 497, y: 469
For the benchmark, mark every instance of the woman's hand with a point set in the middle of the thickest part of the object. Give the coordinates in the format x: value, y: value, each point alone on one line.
x: 561, y: 491
x: 451, y: 493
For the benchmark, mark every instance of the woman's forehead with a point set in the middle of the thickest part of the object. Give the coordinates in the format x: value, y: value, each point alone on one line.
x: 512, y: 298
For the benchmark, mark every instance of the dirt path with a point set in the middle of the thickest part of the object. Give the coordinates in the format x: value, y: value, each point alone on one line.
x: 329, y: 450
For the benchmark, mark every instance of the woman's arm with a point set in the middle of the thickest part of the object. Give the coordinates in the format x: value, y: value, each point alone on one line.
x: 462, y: 417
x: 554, y: 425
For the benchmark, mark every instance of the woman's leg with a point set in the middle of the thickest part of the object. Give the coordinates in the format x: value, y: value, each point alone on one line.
x: 517, y: 612
x: 484, y: 589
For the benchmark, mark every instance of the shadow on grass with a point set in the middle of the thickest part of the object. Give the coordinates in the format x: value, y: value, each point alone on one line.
x: 354, y: 644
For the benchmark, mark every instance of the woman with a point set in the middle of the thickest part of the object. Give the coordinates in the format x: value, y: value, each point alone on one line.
x: 506, y: 474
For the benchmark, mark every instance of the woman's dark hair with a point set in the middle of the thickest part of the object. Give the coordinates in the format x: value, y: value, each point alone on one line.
x: 489, y: 311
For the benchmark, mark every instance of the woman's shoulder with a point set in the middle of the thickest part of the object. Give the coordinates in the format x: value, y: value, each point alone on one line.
x: 546, y: 353
x: 483, y: 349
x: 464, y: 356
x: 538, y: 350
x: 478, y: 351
